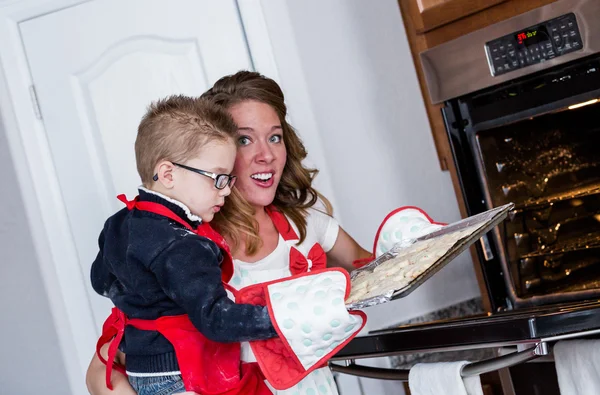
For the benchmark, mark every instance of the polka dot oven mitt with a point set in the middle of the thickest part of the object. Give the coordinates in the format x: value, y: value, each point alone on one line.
x: 309, y: 314
x: 403, y: 224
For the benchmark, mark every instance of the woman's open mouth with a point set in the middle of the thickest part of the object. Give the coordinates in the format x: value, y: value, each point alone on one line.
x: 264, y: 180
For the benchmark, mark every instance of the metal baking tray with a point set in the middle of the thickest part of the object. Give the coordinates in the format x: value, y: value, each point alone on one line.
x: 486, y: 221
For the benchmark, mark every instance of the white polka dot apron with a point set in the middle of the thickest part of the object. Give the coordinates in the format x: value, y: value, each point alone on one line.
x: 308, y: 312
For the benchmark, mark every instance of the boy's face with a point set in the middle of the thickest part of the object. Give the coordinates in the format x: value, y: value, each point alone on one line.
x: 198, y: 192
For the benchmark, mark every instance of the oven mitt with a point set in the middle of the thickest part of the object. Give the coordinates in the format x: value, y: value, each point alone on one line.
x: 403, y: 223
x: 309, y: 314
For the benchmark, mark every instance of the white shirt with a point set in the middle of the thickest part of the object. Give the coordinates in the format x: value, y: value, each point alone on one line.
x: 320, y: 228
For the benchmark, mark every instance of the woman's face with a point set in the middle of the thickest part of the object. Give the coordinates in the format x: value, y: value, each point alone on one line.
x: 261, y: 151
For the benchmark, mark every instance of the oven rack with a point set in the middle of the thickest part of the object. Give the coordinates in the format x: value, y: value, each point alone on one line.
x: 551, y: 199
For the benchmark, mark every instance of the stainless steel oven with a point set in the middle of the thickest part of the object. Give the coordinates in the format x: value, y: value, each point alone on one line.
x: 522, y: 114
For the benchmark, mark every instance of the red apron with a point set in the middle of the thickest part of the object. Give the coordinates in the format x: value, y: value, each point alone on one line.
x: 207, y: 367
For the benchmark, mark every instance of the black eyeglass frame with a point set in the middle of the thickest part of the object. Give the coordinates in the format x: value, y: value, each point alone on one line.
x: 216, y: 177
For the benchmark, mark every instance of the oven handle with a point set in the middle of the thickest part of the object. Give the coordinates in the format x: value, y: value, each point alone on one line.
x: 471, y: 369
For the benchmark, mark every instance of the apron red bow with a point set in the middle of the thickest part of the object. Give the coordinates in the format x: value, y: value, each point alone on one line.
x: 299, y: 263
x: 315, y: 260
x: 113, y: 327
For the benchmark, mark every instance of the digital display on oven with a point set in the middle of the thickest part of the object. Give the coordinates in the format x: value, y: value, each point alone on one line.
x: 532, y: 36
x: 534, y: 44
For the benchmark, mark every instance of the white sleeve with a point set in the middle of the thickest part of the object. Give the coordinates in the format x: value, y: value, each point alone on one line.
x: 326, y: 228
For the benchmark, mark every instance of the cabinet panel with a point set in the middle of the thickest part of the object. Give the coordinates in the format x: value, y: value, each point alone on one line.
x: 429, y: 14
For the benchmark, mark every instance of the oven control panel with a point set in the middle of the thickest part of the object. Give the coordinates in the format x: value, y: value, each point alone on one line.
x: 533, y: 45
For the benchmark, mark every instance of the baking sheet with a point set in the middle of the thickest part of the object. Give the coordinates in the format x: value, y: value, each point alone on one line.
x: 410, y: 263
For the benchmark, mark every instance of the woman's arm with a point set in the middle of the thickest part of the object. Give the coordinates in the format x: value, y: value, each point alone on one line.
x: 96, y: 373
x: 345, y: 251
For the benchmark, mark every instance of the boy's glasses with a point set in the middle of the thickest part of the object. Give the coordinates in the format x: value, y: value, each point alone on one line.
x: 221, y: 180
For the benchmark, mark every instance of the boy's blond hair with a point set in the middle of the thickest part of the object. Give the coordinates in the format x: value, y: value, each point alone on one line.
x: 175, y: 129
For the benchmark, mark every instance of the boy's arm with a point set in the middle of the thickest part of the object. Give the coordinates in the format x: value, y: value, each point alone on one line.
x: 100, y: 277
x: 189, y: 273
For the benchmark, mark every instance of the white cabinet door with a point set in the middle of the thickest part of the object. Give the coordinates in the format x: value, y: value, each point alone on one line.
x: 95, y: 67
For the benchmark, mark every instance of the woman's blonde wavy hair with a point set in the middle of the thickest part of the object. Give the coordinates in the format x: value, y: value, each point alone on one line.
x: 295, y: 193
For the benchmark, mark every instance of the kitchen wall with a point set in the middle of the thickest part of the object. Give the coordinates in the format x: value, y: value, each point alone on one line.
x: 364, y: 122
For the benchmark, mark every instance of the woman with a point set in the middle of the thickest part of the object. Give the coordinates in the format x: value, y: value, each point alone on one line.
x: 271, y: 181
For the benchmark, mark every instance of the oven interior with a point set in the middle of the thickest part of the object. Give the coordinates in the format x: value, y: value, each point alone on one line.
x: 523, y: 142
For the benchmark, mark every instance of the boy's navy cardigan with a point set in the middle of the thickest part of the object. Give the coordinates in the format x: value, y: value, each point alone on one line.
x: 151, y: 266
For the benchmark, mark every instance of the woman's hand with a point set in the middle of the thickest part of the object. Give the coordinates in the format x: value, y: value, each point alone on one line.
x: 96, y: 373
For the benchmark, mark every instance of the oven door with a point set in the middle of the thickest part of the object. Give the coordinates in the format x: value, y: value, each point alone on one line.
x: 492, y: 343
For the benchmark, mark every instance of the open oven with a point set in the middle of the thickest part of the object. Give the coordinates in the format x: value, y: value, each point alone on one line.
x: 533, y: 140
x: 522, y: 111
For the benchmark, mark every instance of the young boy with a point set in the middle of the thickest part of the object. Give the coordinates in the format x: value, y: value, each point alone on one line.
x: 162, y: 265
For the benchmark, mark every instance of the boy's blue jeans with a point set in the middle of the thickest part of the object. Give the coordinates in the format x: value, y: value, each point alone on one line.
x: 161, y: 385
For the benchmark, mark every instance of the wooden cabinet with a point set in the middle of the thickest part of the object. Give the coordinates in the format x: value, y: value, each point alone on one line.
x: 430, y: 23
x: 430, y: 14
